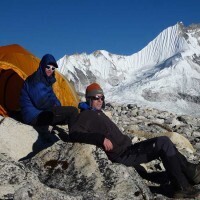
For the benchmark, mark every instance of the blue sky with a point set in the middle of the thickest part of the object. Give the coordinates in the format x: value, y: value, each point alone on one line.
x: 63, y: 27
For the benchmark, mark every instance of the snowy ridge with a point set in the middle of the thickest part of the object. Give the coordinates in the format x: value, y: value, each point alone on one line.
x: 166, y: 44
x: 165, y: 74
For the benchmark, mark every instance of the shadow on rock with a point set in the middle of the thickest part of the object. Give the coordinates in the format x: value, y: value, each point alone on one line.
x: 162, y: 183
x: 45, y: 139
x: 63, y: 135
x: 165, y: 190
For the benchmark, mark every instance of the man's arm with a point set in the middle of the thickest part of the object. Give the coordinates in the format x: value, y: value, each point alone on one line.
x: 43, y: 97
x: 91, y: 138
x: 88, y: 138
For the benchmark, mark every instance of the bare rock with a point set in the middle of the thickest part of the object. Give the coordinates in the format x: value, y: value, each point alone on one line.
x: 85, y: 170
x: 16, y: 138
x: 19, y: 183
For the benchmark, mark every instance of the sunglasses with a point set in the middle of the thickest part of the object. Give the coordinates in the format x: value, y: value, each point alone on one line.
x: 98, y: 97
x: 50, y: 67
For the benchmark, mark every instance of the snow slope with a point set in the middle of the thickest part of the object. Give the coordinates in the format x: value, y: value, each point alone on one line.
x: 165, y: 74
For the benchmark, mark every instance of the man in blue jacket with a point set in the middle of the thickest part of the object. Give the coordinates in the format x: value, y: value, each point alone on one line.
x: 94, y: 127
x: 39, y: 104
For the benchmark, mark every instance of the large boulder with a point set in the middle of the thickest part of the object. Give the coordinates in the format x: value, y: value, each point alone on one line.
x: 35, y: 164
x: 179, y: 140
x: 19, y: 140
x: 19, y: 183
x: 16, y: 138
x: 85, y: 170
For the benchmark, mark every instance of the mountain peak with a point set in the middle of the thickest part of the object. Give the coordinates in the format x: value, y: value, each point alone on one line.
x: 164, y: 74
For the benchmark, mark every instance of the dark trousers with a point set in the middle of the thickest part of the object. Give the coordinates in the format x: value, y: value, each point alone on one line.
x: 158, y: 148
x: 58, y: 115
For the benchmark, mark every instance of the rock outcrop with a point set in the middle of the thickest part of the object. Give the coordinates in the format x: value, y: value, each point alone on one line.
x: 38, y: 165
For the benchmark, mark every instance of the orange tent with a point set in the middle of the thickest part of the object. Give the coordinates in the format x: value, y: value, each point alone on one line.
x: 16, y: 64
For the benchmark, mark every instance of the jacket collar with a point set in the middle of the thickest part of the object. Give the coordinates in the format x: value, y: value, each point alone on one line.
x: 84, y: 106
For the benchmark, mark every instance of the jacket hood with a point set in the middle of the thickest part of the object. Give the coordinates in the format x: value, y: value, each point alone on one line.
x: 48, y: 59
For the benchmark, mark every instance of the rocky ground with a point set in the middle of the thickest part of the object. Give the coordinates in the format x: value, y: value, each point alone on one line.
x: 36, y: 164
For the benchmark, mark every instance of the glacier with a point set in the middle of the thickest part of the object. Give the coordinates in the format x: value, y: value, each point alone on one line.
x: 165, y: 74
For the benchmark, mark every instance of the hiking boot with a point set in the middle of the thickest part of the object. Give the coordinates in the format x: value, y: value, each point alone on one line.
x: 188, y: 192
x: 193, y: 173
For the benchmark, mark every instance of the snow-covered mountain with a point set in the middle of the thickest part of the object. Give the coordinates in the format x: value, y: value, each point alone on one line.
x: 165, y: 74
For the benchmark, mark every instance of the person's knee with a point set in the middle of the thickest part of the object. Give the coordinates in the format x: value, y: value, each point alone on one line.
x: 165, y: 144
x: 70, y: 110
x: 74, y: 110
x: 73, y: 113
x: 164, y: 140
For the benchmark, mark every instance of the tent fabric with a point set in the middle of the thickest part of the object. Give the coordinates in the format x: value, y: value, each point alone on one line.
x: 16, y: 64
x: 3, y: 112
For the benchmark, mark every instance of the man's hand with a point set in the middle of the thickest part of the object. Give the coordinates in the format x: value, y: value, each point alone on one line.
x: 107, y: 144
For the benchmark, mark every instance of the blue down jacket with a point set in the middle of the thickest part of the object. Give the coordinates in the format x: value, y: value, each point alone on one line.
x: 37, y: 94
